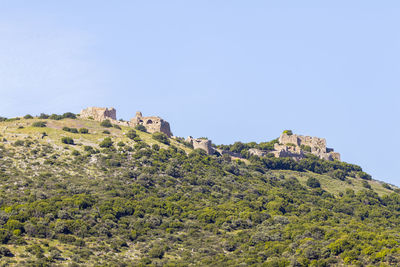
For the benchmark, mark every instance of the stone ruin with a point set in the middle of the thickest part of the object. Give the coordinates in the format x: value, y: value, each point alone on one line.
x: 99, y: 114
x: 201, y: 143
x: 297, y: 146
x: 152, y: 124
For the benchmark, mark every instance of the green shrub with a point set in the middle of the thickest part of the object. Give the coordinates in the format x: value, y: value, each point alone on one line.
x: 3, y: 119
x: 69, y: 115
x: 364, y: 175
x: 141, y: 128
x: 19, y: 143
x: 106, y: 132
x: 305, y: 148
x: 117, y: 126
x: 55, y: 117
x: 28, y: 116
x: 313, y: 182
x: 385, y: 185
x: 71, y: 130
x: 288, y: 132
x: 75, y: 153
x: 161, y: 137
x: 83, y: 130
x: 67, y: 140
x: 40, y: 124
x: 5, y: 252
x: 107, y: 142
x: 43, y: 116
x: 131, y: 134
x: 121, y: 144
x: 366, y: 184
x: 106, y: 123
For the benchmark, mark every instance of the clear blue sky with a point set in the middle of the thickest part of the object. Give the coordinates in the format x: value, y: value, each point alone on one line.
x: 228, y: 70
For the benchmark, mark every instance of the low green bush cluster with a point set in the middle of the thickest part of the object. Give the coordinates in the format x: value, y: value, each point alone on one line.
x: 40, y: 124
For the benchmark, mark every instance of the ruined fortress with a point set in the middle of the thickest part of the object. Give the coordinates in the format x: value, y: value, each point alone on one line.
x: 152, y: 124
x: 289, y: 145
x: 297, y: 146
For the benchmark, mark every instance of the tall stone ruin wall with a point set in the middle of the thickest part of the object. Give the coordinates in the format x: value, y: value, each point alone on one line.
x: 152, y: 124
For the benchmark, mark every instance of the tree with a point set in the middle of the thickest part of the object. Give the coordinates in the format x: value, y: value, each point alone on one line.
x: 67, y: 140
x: 28, y: 116
x: 141, y: 128
x: 69, y: 115
x: 313, y: 182
x: 40, y: 124
x: 106, y: 123
x: 131, y: 134
x: 161, y: 137
x: 83, y: 131
x: 106, y: 143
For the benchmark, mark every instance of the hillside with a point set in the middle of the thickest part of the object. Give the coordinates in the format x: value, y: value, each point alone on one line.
x: 80, y: 192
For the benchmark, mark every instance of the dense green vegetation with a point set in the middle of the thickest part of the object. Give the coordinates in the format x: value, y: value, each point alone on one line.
x: 131, y: 198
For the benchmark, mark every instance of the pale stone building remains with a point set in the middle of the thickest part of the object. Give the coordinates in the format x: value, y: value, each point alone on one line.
x: 152, y: 124
x: 290, y: 145
x: 295, y: 146
x: 201, y: 143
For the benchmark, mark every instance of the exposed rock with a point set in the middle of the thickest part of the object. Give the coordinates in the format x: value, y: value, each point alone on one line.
x: 201, y: 143
x: 152, y: 124
x: 99, y: 114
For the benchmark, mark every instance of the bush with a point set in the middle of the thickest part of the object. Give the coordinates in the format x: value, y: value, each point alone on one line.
x: 69, y: 115
x: 366, y: 184
x: 364, y: 175
x: 305, y: 148
x: 117, y: 126
x: 43, y: 116
x: 161, y: 137
x: 131, y: 134
x: 75, y: 153
x: 385, y: 185
x: 55, y: 117
x: 141, y: 128
x: 3, y: 119
x: 28, y: 116
x: 19, y: 143
x: 288, y: 132
x: 39, y: 124
x: 5, y: 252
x: 106, y: 132
x: 67, y: 140
x: 313, y: 182
x: 71, y: 130
x: 83, y: 130
x: 106, y: 123
x: 121, y: 144
x: 107, y: 142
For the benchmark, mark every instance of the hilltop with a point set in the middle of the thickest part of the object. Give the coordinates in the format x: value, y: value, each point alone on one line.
x: 93, y: 190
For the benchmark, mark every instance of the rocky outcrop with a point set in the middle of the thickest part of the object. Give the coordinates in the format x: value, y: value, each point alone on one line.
x: 201, y: 143
x: 99, y: 114
x: 152, y: 124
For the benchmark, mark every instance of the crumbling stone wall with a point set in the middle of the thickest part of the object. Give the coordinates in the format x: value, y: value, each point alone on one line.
x: 99, y: 114
x: 152, y: 124
x: 317, y: 145
x: 201, y: 143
